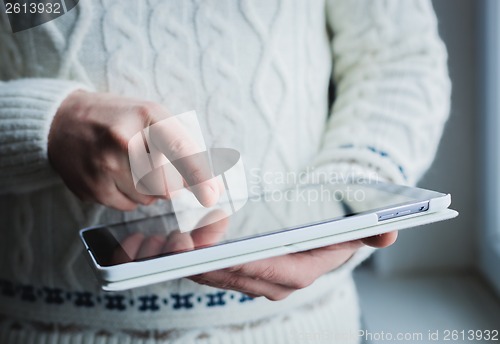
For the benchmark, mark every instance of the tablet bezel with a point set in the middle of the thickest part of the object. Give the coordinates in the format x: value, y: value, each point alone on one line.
x: 264, y: 242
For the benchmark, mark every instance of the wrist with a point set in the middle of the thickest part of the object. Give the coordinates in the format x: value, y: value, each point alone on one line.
x: 66, y: 107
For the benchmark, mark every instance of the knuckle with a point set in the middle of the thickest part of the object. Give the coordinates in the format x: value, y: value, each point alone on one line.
x: 103, y: 194
x: 200, y: 279
x: 269, y: 273
x: 232, y: 282
x: 111, y: 164
x: 195, y: 177
x: 148, y: 109
x: 115, y: 136
x: 179, y: 146
x: 237, y: 269
x: 120, y: 135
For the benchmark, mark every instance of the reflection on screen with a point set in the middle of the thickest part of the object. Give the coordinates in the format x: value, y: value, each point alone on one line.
x: 263, y: 215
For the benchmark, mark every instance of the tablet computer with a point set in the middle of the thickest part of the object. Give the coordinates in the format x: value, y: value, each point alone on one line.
x: 302, y: 217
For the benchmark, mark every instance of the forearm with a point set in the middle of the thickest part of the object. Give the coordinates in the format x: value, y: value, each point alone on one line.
x: 393, y: 87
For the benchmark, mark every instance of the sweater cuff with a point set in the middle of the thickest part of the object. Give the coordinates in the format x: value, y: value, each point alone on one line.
x: 27, y: 108
x: 362, y: 161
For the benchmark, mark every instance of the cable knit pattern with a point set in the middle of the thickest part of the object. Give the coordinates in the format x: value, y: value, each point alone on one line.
x: 125, y: 39
x: 257, y: 72
x: 269, y: 71
x: 219, y: 72
x: 171, y: 63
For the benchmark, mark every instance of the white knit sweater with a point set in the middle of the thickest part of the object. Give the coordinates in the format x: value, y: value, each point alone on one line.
x: 257, y: 71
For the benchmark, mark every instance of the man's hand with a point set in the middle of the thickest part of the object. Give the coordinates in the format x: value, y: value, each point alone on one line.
x: 88, y: 143
x: 276, y: 278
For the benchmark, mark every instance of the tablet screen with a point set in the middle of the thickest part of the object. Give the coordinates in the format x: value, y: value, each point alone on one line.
x: 266, y: 214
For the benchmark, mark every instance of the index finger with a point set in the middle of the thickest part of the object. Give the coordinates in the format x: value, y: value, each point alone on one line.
x: 178, y: 144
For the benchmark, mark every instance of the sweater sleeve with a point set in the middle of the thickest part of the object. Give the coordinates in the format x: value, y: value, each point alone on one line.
x: 392, y: 87
x: 27, y: 107
x: 392, y: 93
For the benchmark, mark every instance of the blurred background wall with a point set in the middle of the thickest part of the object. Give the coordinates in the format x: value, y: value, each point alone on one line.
x: 450, y: 244
x: 446, y: 276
